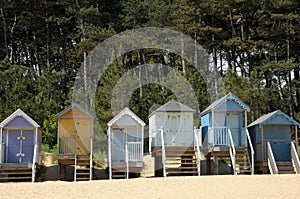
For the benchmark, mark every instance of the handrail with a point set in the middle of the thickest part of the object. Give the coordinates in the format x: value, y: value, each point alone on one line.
x: 219, y: 135
x: 198, y: 154
x: 232, y: 152
x: 295, y: 158
x: 126, y: 161
x: 135, y: 151
x: 271, y: 160
x: 66, y: 145
x: 252, y: 151
x: 33, y: 163
x: 91, y: 157
x: 163, y: 152
x: 75, y: 159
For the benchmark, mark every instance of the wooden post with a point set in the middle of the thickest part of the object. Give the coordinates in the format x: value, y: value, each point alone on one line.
x: 1, y: 134
x: 262, y: 144
x: 208, y: 164
x: 216, y: 165
x: 58, y: 134
x: 246, y: 123
x: 91, y: 147
x: 109, y: 152
x: 296, y: 137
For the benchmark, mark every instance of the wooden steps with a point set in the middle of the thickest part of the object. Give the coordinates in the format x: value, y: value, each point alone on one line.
x: 119, y: 170
x: 243, y: 162
x: 180, y: 160
x: 285, y: 168
x: 15, y: 174
x: 82, y: 168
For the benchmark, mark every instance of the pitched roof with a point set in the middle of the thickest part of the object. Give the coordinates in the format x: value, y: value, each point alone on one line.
x: 267, y: 119
x: 219, y: 102
x: 74, y: 106
x: 173, y: 106
x: 19, y: 113
x: 126, y: 111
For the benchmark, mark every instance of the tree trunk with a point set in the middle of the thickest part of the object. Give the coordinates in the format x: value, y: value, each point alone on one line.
x: 4, y: 32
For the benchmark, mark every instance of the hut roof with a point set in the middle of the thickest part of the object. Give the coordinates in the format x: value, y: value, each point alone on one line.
x: 126, y: 111
x: 219, y: 102
x: 173, y: 106
x: 269, y: 119
x: 19, y: 113
x: 74, y: 106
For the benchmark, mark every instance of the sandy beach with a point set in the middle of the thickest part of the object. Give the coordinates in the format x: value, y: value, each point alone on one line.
x: 257, y: 186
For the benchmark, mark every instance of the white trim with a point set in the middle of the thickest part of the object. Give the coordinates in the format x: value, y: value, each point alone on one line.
x: 1, y: 142
x: 109, y: 152
x: 58, y: 135
x: 126, y: 111
x: 18, y: 113
x: 6, y: 146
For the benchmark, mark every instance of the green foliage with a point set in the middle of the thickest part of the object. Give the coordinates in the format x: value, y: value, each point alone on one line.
x: 253, y: 44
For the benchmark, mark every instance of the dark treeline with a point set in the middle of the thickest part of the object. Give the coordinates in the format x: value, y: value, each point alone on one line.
x: 254, y: 44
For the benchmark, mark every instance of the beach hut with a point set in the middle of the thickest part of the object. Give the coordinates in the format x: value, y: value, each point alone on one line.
x: 224, y: 134
x: 20, y: 147
x: 171, y: 140
x: 125, y: 144
x: 274, y: 150
x: 75, y: 142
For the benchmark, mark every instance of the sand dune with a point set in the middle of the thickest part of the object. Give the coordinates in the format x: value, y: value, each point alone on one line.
x: 257, y: 186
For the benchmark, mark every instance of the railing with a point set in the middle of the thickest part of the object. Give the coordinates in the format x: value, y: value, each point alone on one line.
x: 232, y: 152
x: 126, y: 161
x: 163, y: 152
x: 271, y: 160
x: 198, y: 153
x: 91, y: 158
x: 295, y: 158
x: 135, y: 151
x: 33, y: 162
x: 219, y: 136
x: 67, y: 145
x: 252, y: 151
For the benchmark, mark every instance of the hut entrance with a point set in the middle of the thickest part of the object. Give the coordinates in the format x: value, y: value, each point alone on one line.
x: 20, y: 144
x: 232, y: 120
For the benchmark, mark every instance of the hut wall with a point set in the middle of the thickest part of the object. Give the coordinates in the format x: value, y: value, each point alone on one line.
x: 178, y: 128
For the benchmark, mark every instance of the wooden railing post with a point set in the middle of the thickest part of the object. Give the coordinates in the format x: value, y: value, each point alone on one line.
x: 252, y: 151
x: 198, y: 153
x: 295, y: 158
x: 271, y: 160
x: 126, y: 161
x: 232, y: 152
x: 163, y: 152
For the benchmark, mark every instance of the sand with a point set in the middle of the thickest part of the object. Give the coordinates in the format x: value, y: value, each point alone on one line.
x: 257, y: 186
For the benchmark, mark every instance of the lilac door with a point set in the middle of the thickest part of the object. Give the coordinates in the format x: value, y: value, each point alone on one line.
x: 20, y: 146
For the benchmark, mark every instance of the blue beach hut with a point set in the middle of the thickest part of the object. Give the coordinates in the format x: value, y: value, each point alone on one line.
x: 274, y: 149
x: 20, y: 147
x: 224, y: 133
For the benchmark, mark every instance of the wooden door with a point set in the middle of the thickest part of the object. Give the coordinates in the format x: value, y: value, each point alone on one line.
x: 118, y: 144
x: 20, y: 146
x: 232, y: 121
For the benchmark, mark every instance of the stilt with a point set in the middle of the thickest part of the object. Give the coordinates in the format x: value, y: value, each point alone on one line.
x: 208, y: 164
x: 216, y: 165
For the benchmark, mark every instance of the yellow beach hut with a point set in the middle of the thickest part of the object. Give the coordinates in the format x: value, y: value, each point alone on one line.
x: 75, y: 142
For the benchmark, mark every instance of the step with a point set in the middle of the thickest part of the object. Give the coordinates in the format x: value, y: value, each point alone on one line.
x: 16, y: 178
x: 181, y: 172
x: 82, y: 179
x: 287, y: 172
